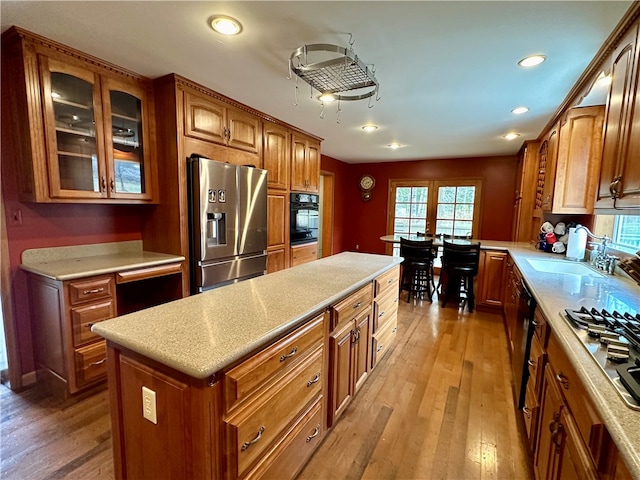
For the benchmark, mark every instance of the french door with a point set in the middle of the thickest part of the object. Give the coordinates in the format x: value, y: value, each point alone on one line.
x: 449, y: 207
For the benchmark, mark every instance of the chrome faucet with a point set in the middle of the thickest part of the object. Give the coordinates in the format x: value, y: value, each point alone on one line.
x: 601, y: 260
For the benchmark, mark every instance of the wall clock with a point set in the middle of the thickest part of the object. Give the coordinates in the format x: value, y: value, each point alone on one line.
x: 367, y: 182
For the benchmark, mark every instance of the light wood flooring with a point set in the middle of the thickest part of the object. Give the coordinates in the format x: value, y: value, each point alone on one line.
x: 439, y: 406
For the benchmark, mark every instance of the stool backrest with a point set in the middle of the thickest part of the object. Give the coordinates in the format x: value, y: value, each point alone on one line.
x: 417, y: 250
x: 461, y: 257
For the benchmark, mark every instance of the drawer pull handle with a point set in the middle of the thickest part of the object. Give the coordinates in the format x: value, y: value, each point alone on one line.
x: 381, y: 314
x: 289, y: 355
x: 357, y: 305
x: 315, y: 379
x: 246, y: 445
x: 95, y: 290
x: 380, y: 347
x: 531, y: 363
x: 562, y: 380
x: 526, y: 411
x: 315, y: 433
x: 390, y: 281
x: 535, y: 324
x: 395, y: 300
x: 99, y: 362
x: 395, y: 329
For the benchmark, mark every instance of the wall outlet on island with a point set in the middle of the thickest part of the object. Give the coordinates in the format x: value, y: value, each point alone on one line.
x: 358, y: 247
x: 149, y: 405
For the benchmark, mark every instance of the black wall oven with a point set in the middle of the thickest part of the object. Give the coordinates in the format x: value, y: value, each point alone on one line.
x: 304, y: 218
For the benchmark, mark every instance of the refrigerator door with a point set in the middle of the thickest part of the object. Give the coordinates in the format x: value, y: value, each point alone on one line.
x: 229, y: 270
x: 215, y: 200
x: 252, y: 210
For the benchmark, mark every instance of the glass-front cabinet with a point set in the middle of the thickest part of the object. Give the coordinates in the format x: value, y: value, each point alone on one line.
x: 96, y: 134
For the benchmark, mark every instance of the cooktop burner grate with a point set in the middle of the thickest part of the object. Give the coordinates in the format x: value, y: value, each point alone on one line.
x: 613, y: 340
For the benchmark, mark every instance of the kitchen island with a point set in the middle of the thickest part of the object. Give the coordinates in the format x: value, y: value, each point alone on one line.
x: 210, y: 365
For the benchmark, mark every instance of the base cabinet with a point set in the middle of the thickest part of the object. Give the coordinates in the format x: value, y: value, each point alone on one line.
x: 303, y: 253
x: 491, y: 278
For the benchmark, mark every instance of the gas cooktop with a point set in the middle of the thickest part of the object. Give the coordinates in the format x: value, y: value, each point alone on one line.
x: 613, y: 339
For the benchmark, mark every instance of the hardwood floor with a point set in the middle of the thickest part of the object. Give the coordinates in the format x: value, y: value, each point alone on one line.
x: 439, y: 406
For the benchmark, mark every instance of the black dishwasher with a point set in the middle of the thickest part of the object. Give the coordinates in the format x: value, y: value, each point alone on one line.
x: 524, y: 330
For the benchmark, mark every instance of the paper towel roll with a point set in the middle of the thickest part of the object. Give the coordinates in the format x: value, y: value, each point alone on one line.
x: 577, y: 244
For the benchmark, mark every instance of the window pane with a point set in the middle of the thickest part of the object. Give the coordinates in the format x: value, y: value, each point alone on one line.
x: 464, y: 212
x: 445, y: 210
x: 465, y: 194
x: 627, y: 230
x: 403, y: 194
x: 462, y: 228
x: 419, y: 194
x: 402, y: 209
x: 444, y: 226
x: 401, y: 225
x: 418, y: 210
x: 447, y: 194
x: 418, y: 226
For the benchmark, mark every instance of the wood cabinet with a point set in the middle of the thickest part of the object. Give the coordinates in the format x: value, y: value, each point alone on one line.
x: 277, y: 231
x: 349, y: 354
x: 83, y: 130
x: 210, y: 119
x: 276, y: 155
x: 578, y: 163
x: 547, y: 158
x: 491, y: 278
x: 511, y: 298
x: 303, y: 253
x: 524, y: 195
x: 385, y: 314
x: 305, y: 163
x: 69, y: 357
x: 619, y: 185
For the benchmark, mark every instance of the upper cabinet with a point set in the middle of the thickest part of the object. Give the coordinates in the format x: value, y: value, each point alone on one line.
x: 547, y: 157
x: 578, y: 162
x: 305, y: 163
x: 207, y: 118
x: 82, y: 130
x: 277, y: 155
x: 619, y: 185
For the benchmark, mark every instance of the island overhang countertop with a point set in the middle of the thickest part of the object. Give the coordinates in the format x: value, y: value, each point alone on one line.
x: 202, y: 334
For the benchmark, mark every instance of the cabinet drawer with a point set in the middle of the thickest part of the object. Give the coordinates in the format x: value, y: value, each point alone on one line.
x: 387, y: 281
x: 352, y: 306
x: 274, y: 360
x: 304, y: 254
x: 91, y: 363
x: 92, y: 289
x: 296, y: 446
x: 383, y: 340
x: 385, y: 309
x: 541, y: 327
x: 253, y: 429
x: 86, y: 315
x: 530, y: 415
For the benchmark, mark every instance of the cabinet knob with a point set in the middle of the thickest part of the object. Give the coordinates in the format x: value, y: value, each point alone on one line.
x: 614, y: 187
x: 113, y: 185
x: 104, y: 184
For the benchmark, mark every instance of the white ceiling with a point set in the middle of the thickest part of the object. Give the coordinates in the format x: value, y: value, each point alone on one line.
x: 447, y: 70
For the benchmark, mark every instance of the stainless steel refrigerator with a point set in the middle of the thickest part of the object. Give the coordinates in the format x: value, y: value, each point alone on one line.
x: 228, y: 222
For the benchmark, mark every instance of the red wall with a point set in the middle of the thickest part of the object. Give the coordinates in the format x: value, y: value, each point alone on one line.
x: 361, y: 224
x: 341, y: 188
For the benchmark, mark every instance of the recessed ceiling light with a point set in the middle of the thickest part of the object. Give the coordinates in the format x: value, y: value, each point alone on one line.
x: 225, y: 25
x: 394, y: 146
x: 369, y: 128
x: 511, y: 136
x: 327, y: 98
x: 532, y: 60
x: 520, y: 110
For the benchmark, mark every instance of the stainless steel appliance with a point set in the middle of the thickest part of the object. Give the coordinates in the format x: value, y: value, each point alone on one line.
x: 613, y: 339
x: 304, y: 218
x: 524, y: 331
x: 228, y: 222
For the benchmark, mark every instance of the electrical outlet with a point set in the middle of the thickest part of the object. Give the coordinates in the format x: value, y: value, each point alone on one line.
x: 357, y: 247
x: 15, y: 217
x: 149, y: 405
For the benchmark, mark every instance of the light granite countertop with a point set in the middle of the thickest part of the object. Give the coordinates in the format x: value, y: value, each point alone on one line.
x: 79, y: 261
x: 202, y: 334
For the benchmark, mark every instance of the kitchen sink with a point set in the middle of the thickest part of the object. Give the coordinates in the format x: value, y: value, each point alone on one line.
x: 563, y: 267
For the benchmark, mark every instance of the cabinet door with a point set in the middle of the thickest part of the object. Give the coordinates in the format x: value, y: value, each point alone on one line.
x: 312, y: 166
x: 205, y: 119
x: 276, y: 155
x: 126, y: 120
x: 243, y: 130
x: 277, y: 220
x: 74, y: 131
x: 491, y: 278
x: 549, y: 446
x: 362, y: 350
x: 298, y: 160
x: 575, y: 462
x: 276, y: 260
x: 579, y: 154
x: 547, y: 170
x: 617, y: 122
x: 340, y: 358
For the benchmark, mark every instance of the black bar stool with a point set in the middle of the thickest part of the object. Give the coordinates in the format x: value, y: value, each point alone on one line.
x: 459, y: 267
x: 417, y: 268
